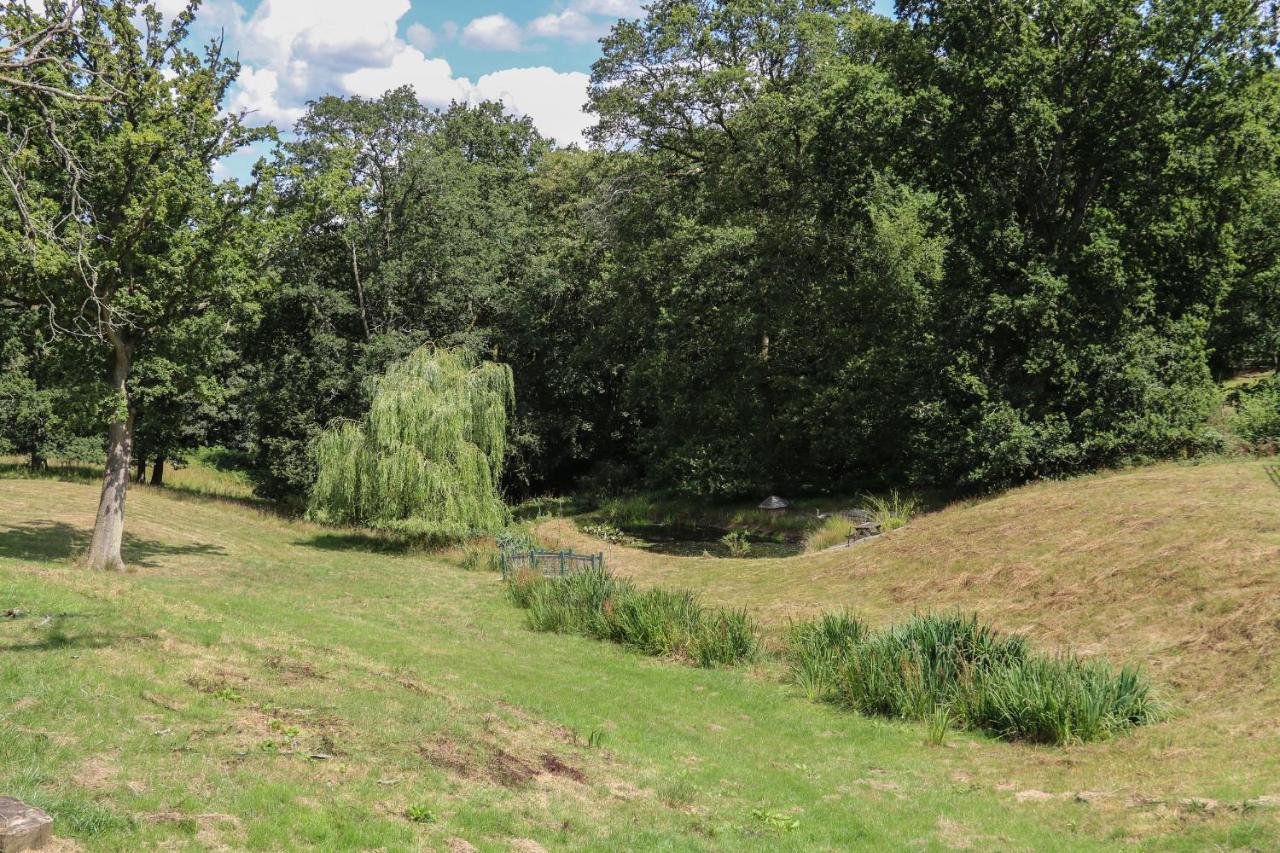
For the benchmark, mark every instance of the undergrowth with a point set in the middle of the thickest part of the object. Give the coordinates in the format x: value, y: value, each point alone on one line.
x: 951, y: 667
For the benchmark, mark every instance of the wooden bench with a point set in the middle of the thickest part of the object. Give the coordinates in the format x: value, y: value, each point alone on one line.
x: 862, y: 531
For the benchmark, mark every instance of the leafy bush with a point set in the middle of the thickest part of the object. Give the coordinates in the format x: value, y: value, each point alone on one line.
x: 1257, y: 416
x: 737, y: 543
x: 951, y: 669
x: 658, y: 622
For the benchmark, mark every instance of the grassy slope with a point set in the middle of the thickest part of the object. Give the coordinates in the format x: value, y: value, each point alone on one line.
x: 1176, y: 567
x: 141, y: 711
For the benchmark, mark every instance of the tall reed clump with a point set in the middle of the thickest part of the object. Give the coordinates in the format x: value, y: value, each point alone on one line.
x: 658, y: 622
x: 893, y: 510
x: 427, y: 458
x: 834, y: 530
x: 936, y: 665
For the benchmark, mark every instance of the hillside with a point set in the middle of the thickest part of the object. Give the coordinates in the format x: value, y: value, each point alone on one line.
x: 263, y: 684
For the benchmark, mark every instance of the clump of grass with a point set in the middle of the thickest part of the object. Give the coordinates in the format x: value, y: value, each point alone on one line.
x: 657, y: 622
x: 816, y: 649
x: 950, y: 668
x: 481, y: 556
x: 834, y: 530
x: 522, y: 585
x: 893, y: 510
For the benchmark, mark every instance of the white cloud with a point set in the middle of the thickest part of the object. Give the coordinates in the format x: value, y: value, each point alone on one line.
x: 257, y: 91
x: 492, y: 32
x: 432, y: 79
x: 610, y: 8
x: 570, y: 25
x: 421, y: 37
x: 553, y: 100
x: 293, y: 51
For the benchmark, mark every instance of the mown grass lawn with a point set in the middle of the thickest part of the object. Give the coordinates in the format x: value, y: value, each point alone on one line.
x: 262, y: 684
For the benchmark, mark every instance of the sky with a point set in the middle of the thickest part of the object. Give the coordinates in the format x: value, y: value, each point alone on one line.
x: 534, y: 55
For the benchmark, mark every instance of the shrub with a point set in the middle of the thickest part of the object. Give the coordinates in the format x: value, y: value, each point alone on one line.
x: 1257, y: 415
x: 737, y: 543
x: 950, y: 668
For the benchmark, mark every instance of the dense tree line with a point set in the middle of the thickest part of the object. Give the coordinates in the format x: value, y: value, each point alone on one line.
x: 810, y: 247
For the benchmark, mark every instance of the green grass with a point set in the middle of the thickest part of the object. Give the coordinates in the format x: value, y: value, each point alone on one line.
x: 139, y: 714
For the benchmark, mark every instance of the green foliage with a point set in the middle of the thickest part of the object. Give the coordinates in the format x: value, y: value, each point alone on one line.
x: 737, y: 543
x: 893, y: 510
x: 421, y: 813
x: 946, y: 669
x: 428, y: 457
x: 1257, y: 412
x: 657, y: 622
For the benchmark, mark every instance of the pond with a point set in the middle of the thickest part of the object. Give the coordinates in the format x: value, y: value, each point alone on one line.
x: 684, y: 541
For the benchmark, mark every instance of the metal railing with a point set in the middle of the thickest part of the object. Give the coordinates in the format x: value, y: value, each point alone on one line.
x: 548, y: 563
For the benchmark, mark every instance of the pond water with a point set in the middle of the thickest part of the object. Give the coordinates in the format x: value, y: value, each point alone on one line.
x: 695, y: 541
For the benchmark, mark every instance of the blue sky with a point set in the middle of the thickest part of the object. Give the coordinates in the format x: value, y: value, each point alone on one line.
x: 534, y: 55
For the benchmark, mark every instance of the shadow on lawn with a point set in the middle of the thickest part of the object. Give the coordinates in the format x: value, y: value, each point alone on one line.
x: 56, y: 540
x: 360, y: 542
x: 56, y: 637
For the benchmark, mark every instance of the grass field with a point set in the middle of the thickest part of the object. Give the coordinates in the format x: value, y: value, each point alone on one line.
x: 265, y: 684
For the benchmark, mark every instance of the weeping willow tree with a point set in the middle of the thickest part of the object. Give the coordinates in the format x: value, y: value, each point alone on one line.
x: 427, y: 458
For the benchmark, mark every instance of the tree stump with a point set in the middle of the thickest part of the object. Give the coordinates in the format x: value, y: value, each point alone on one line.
x: 23, y: 827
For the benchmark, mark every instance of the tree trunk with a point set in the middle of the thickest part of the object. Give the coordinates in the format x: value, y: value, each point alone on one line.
x: 38, y: 462
x: 108, y: 528
x: 141, y: 476
x: 157, y: 472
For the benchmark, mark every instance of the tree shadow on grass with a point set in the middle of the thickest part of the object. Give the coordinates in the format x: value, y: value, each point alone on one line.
x: 56, y: 637
x: 360, y: 542
x: 56, y: 540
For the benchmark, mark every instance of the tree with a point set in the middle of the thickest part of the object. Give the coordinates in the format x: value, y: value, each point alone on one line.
x: 139, y: 237
x: 427, y: 458
x: 393, y: 225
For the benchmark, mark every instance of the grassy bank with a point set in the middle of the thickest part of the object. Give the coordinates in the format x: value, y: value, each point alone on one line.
x: 256, y: 683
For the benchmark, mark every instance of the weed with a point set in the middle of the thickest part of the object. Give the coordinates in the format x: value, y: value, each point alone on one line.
x: 737, y: 543
x: 780, y: 821
x: 228, y: 694
x: 420, y: 813
x: 595, y: 738
x: 609, y: 533
x: 939, y: 724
